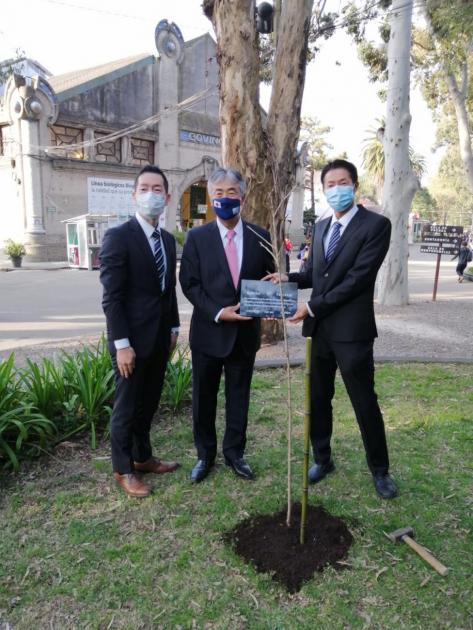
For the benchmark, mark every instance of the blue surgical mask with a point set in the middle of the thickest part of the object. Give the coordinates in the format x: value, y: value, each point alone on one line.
x: 226, y: 207
x: 340, y: 198
x: 151, y: 204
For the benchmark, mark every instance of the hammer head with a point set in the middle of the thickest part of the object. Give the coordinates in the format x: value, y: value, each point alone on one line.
x: 397, y: 534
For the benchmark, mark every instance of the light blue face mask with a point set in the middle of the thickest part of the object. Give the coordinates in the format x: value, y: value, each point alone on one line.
x: 340, y: 198
x: 151, y: 204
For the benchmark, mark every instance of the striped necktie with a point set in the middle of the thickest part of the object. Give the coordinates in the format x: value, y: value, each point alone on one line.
x: 159, y: 256
x: 333, y: 242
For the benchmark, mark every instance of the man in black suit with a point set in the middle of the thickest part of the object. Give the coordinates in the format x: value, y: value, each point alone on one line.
x: 138, y: 274
x: 215, y: 258
x: 347, y: 251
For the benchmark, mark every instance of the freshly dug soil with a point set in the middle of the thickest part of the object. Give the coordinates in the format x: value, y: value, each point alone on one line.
x: 266, y: 542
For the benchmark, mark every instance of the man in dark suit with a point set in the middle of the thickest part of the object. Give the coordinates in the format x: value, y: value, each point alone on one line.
x: 215, y: 258
x: 347, y: 251
x: 138, y: 274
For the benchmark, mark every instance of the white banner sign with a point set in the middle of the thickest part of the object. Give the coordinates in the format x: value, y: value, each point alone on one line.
x: 110, y: 196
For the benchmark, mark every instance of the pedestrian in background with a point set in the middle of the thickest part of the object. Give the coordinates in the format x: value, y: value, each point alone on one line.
x: 464, y: 256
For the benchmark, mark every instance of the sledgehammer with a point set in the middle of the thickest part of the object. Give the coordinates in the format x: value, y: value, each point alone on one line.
x: 406, y: 534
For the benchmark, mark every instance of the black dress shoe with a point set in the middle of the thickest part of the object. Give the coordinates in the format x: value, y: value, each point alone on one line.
x: 201, y: 470
x: 240, y: 468
x: 384, y: 486
x: 318, y: 471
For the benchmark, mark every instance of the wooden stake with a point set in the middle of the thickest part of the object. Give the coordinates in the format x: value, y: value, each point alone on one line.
x: 305, y: 469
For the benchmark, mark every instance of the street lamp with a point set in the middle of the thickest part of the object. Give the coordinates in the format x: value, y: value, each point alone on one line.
x: 264, y: 18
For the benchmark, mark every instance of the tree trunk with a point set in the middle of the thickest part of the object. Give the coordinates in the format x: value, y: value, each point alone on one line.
x: 464, y: 132
x: 261, y: 147
x: 400, y: 183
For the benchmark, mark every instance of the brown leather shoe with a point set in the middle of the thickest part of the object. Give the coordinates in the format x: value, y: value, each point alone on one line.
x: 156, y: 466
x: 132, y: 485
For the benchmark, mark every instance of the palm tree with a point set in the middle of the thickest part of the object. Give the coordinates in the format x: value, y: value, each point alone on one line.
x: 373, y: 157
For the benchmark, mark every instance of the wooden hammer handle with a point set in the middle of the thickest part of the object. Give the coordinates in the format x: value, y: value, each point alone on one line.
x: 426, y: 555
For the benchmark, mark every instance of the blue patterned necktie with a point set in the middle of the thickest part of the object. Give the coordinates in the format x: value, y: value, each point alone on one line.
x: 333, y: 242
x: 159, y: 256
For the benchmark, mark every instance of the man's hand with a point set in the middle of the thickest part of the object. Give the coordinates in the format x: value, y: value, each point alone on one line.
x: 126, y: 361
x: 173, y: 343
x: 229, y: 314
x: 299, y: 316
x: 276, y: 278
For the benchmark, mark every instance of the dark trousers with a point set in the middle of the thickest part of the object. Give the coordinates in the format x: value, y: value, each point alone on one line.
x: 355, y: 361
x: 136, y: 400
x: 206, y: 375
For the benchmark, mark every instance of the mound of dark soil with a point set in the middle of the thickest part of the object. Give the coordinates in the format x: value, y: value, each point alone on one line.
x: 266, y: 542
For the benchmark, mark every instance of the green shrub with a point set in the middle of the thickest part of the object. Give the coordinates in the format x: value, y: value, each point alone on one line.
x: 180, y: 236
x: 23, y: 429
x: 89, y: 374
x: 13, y: 249
x: 178, y: 379
x: 47, y: 402
x: 45, y: 387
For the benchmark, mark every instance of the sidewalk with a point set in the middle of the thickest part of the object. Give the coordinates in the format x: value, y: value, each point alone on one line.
x: 6, y: 265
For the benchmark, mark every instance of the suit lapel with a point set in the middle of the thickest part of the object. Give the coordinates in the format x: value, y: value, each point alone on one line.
x: 318, y: 251
x: 143, y: 245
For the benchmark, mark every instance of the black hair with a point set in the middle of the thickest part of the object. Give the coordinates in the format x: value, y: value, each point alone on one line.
x: 348, y: 166
x: 150, y: 168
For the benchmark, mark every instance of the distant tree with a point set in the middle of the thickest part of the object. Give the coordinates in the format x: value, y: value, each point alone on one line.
x: 315, y: 134
x: 373, y: 157
x: 441, y: 59
x: 425, y: 205
x: 451, y: 191
x: 443, y: 56
x: 8, y: 66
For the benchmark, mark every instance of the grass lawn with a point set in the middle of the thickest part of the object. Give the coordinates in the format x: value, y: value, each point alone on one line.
x: 77, y: 553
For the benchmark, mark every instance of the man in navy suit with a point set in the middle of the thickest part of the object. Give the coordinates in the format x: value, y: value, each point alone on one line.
x: 347, y: 251
x: 215, y: 258
x: 138, y: 274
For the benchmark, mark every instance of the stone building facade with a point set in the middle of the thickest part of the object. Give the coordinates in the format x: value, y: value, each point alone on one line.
x: 60, y: 135
x: 72, y: 145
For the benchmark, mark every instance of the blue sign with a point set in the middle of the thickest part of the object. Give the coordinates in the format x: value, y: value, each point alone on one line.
x: 199, y: 138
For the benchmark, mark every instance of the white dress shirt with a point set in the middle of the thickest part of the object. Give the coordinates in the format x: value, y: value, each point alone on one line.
x: 344, y: 220
x: 237, y: 239
x: 148, y: 229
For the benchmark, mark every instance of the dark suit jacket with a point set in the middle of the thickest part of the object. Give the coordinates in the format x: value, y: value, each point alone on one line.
x: 134, y: 305
x: 343, y: 289
x: 207, y: 283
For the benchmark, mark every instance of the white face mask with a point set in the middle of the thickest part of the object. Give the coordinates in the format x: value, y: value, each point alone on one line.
x: 151, y: 204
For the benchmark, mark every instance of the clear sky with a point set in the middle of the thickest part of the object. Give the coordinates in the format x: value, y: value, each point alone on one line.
x: 66, y: 35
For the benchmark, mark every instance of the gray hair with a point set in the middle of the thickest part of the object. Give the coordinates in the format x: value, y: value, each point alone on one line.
x: 226, y: 173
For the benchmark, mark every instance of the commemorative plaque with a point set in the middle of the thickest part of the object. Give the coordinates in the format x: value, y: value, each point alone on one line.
x: 260, y: 298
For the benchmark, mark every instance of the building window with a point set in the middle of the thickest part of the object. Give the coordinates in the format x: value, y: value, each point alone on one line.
x: 64, y: 136
x: 109, y: 151
x: 2, y: 148
x: 142, y: 151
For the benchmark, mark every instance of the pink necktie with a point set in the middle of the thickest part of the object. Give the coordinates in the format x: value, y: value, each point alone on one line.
x: 232, y: 256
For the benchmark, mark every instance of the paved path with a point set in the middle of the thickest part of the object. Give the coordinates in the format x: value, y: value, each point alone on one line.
x: 45, y: 307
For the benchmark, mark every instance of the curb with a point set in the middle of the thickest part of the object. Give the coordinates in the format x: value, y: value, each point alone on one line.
x: 6, y: 269
x: 263, y: 364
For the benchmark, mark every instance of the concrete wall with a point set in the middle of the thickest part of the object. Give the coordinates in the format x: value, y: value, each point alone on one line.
x: 199, y: 70
x: 117, y: 103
